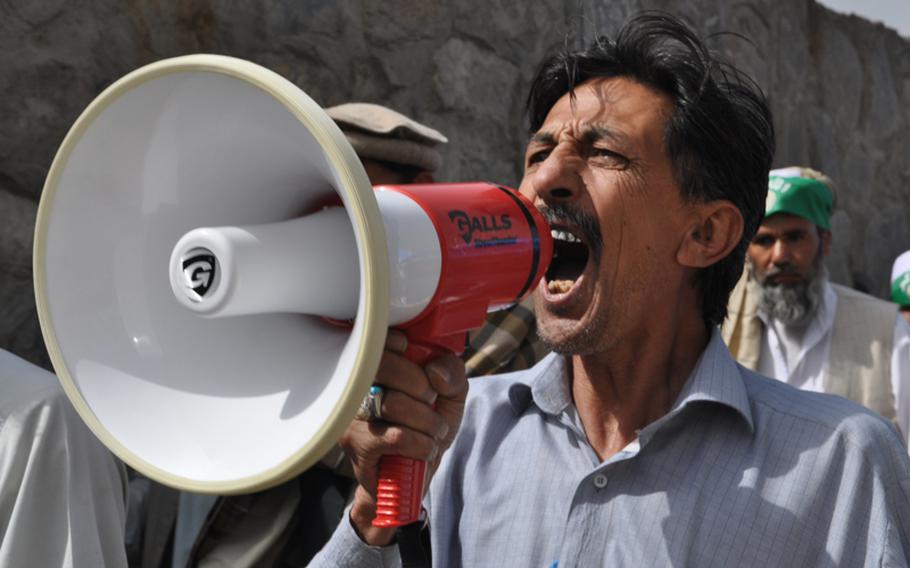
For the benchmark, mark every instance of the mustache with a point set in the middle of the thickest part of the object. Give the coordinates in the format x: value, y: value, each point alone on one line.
x: 588, y: 225
x: 785, y: 269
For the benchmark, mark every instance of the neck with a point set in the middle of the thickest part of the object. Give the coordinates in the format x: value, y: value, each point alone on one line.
x: 622, y: 390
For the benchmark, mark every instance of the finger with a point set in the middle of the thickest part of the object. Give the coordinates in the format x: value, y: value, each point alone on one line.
x: 396, y: 341
x: 399, y: 408
x: 446, y: 375
x: 397, y: 372
x: 367, y: 442
x: 396, y: 440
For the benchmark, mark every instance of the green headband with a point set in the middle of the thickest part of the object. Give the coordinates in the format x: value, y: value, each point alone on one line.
x: 900, y: 289
x: 805, y: 197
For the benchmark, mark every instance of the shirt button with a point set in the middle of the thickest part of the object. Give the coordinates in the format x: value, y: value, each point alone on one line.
x: 600, y: 481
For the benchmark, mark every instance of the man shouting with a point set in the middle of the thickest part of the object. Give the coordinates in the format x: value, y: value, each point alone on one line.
x: 639, y: 441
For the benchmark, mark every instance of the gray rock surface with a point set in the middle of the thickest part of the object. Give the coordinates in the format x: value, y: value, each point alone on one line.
x: 839, y: 87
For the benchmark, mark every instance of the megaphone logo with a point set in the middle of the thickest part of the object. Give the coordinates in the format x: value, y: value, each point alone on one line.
x: 468, y: 224
x: 199, y: 268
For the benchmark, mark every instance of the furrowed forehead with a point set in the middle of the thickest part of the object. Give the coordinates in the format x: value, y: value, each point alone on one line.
x: 613, y: 109
x: 583, y: 131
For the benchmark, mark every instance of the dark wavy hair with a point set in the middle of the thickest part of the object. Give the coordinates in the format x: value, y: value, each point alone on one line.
x: 719, y: 137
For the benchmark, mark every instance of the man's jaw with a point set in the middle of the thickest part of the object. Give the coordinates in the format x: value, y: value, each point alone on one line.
x: 568, y: 323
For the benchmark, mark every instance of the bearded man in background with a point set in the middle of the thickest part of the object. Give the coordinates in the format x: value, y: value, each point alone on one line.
x: 790, y: 322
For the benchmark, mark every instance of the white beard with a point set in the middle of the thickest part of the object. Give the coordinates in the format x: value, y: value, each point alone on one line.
x: 793, y: 304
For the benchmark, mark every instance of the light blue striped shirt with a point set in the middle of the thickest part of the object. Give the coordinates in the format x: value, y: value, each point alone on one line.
x: 743, y: 471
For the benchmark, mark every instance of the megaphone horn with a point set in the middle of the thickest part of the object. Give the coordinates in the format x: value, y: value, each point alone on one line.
x: 190, y: 280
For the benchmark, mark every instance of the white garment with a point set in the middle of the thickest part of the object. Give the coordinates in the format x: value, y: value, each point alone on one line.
x: 62, y: 493
x: 811, y: 354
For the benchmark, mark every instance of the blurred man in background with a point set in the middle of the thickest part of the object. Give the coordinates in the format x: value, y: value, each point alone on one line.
x: 790, y: 322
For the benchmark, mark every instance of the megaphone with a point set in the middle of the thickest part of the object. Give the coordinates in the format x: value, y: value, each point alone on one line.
x: 215, y: 275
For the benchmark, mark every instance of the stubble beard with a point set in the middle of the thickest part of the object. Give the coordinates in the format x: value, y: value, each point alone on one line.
x: 586, y: 341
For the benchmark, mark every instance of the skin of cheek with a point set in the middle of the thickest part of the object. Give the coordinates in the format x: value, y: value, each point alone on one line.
x: 755, y: 262
x: 628, y: 267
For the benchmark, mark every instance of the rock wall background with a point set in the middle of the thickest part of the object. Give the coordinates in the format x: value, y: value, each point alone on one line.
x: 839, y: 87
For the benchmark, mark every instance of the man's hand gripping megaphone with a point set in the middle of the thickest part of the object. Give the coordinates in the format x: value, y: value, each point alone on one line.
x: 421, y: 410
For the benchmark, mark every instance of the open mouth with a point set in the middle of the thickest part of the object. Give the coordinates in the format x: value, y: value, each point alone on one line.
x: 570, y: 256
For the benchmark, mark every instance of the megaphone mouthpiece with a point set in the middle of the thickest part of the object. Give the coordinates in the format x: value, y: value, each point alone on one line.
x: 306, y: 265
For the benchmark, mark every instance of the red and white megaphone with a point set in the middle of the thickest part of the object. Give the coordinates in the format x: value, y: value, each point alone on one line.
x: 204, y: 228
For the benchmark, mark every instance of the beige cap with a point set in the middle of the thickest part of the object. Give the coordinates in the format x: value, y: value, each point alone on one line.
x: 380, y: 133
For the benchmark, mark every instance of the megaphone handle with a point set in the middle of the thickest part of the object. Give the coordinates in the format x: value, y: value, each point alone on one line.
x: 399, y: 491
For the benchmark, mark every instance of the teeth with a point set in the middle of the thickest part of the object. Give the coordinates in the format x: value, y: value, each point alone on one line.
x: 564, y: 236
x: 559, y: 286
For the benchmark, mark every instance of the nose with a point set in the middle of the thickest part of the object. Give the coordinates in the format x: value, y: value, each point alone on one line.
x: 780, y: 252
x: 557, y: 178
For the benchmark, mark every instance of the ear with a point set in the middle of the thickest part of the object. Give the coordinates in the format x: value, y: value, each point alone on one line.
x: 716, y: 229
x: 423, y: 177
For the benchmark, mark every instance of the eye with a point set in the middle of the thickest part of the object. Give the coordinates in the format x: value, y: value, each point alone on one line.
x: 609, y: 157
x: 763, y: 241
x: 796, y: 237
x: 538, y: 156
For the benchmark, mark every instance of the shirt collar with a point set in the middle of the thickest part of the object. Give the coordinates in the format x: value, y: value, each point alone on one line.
x: 547, y: 386
x: 716, y: 378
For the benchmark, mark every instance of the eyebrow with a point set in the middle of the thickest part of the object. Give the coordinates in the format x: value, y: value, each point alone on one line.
x: 590, y: 133
x: 544, y: 138
x: 594, y: 132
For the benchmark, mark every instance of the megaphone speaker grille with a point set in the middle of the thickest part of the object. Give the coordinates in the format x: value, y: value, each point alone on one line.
x: 210, y: 405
